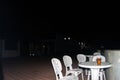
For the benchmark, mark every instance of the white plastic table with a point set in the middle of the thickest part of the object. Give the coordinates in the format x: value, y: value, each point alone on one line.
x: 94, y: 68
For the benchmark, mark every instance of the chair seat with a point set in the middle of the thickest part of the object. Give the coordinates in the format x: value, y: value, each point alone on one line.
x: 75, y: 71
x: 69, y: 77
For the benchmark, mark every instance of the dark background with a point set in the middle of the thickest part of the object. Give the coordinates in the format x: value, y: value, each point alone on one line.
x: 31, y: 20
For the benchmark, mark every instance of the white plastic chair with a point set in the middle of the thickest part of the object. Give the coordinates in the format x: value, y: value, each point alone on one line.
x: 101, y: 72
x: 57, y: 66
x: 96, y: 53
x: 82, y: 58
x: 69, y: 69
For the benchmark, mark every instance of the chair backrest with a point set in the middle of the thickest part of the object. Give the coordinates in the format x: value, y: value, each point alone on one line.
x: 81, y: 58
x: 57, y: 66
x: 103, y: 59
x: 67, y: 62
x: 96, y: 53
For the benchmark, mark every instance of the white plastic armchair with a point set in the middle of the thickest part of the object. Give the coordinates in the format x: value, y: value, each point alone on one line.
x: 57, y: 66
x: 69, y: 68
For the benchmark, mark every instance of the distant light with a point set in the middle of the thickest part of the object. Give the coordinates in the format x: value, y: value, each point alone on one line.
x: 30, y: 54
x: 79, y: 43
x: 65, y: 38
x: 82, y: 43
x: 33, y: 54
x: 68, y: 38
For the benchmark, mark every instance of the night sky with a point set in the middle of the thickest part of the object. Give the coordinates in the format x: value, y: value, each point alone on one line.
x: 29, y: 19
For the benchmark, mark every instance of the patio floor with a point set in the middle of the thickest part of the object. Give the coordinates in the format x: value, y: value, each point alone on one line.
x: 29, y: 68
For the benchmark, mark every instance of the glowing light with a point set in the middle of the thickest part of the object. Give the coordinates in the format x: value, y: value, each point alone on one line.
x: 65, y: 38
x: 68, y: 38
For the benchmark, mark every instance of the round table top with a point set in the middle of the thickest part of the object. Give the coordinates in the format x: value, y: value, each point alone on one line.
x: 94, y: 65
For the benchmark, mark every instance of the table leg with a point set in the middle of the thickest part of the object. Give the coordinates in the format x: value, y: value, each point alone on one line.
x: 94, y: 74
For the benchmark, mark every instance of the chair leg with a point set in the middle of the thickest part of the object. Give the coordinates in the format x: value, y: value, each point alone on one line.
x: 104, y: 75
x: 82, y: 76
x: 88, y: 76
x: 101, y: 76
x: 86, y: 72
